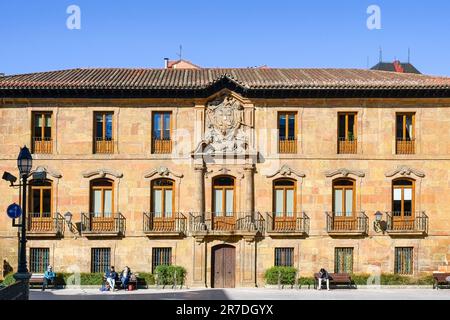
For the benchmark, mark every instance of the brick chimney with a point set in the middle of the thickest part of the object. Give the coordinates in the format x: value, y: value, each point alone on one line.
x: 398, y: 66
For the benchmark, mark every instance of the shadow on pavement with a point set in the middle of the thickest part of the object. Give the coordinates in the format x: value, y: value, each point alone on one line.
x: 213, y: 294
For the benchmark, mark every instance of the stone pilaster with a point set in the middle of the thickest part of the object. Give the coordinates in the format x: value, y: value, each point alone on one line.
x: 249, y: 172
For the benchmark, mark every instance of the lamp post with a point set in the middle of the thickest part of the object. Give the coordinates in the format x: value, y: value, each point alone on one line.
x: 24, y: 164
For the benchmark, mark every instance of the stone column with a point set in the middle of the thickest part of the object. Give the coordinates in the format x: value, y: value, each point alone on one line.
x: 199, y: 196
x: 249, y: 171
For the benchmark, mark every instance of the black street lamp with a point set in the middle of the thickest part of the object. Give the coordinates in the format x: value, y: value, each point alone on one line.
x: 24, y: 164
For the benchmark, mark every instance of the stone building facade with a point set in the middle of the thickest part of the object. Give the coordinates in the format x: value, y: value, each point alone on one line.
x: 228, y: 172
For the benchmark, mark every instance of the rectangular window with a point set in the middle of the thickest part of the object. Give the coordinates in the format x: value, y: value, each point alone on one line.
x: 42, y: 132
x: 103, y: 135
x: 347, y: 138
x: 39, y: 259
x: 405, y: 134
x: 404, y: 260
x: 162, y: 131
x: 100, y: 260
x: 161, y: 256
x: 284, y: 257
x: 287, y: 132
x: 343, y: 260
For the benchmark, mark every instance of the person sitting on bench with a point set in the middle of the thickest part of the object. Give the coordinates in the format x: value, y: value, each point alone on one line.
x: 111, y: 277
x: 323, y: 275
x: 125, y: 277
x: 49, y: 278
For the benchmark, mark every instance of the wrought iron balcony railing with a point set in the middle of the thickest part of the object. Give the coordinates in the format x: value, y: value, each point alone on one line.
x: 160, y: 146
x: 238, y: 221
x: 288, y: 145
x: 416, y: 223
x: 97, y: 225
x: 298, y: 223
x: 357, y: 223
x: 49, y: 224
x: 42, y: 145
x: 405, y: 146
x: 104, y: 146
x: 154, y: 223
x: 346, y: 146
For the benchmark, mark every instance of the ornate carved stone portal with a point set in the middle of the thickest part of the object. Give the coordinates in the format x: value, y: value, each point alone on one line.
x: 225, y: 131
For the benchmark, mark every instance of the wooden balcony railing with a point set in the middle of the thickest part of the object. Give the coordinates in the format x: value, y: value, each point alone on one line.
x: 299, y: 223
x: 104, y: 146
x: 240, y: 221
x: 405, y: 146
x: 161, y: 146
x: 358, y: 223
x: 346, y: 146
x: 155, y: 224
x: 288, y: 145
x: 417, y: 224
x: 45, y: 224
x: 42, y: 145
x: 115, y: 224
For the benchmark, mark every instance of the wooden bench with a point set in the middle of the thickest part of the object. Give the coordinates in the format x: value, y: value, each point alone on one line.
x: 134, y: 280
x: 37, y: 279
x: 335, y: 279
x: 440, y: 280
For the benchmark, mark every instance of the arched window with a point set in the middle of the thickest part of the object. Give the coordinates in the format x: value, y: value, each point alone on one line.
x: 223, y: 196
x: 403, y: 198
x: 284, y: 204
x: 343, y: 198
x: 40, y: 199
x: 102, y: 201
x: 162, y: 198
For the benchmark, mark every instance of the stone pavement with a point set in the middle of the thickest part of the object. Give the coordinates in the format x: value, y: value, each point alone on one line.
x: 243, y: 294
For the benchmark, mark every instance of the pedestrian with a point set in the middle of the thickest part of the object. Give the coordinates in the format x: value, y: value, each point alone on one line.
x: 323, y: 275
x: 111, y: 277
x: 49, y: 278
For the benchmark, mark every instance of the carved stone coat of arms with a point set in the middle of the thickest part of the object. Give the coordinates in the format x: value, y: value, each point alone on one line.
x: 224, y: 127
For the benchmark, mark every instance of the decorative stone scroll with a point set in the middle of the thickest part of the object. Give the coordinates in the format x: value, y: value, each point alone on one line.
x: 53, y: 173
x: 286, y: 170
x: 102, y: 173
x: 163, y: 172
x: 344, y: 172
x: 405, y: 171
x: 224, y: 127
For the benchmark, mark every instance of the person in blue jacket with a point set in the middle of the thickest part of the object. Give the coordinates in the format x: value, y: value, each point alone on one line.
x: 49, y: 278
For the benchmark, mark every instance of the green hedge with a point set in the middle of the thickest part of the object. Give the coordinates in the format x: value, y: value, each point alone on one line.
x: 285, y: 275
x: 9, y: 280
x: 166, y: 274
x: 394, y: 279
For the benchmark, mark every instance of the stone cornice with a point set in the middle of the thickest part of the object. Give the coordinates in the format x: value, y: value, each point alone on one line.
x: 405, y: 171
x: 163, y: 172
x: 102, y: 173
x: 344, y: 172
x: 55, y: 174
x: 286, y: 170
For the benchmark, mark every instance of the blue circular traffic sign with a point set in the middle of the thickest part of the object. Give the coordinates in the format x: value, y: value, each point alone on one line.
x: 14, y: 211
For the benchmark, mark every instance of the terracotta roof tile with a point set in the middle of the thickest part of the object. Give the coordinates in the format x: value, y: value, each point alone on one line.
x: 191, y: 79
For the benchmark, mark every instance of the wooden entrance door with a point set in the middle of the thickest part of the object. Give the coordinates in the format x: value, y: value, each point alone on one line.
x: 223, y: 266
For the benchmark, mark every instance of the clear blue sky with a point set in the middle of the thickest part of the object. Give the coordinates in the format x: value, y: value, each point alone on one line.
x: 232, y: 33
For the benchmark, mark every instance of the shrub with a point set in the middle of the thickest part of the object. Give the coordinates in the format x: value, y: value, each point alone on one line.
x: 286, y: 275
x: 394, y: 279
x: 166, y: 274
x: 148, y: 278
x: 9, y: 280
x: 306, y: 281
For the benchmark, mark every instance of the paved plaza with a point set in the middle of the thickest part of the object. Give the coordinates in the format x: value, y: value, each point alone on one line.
x: 243, y: 294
